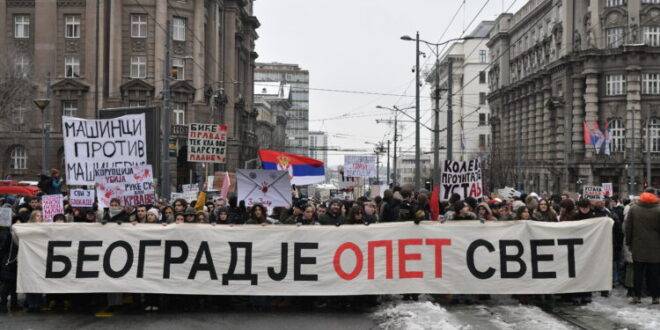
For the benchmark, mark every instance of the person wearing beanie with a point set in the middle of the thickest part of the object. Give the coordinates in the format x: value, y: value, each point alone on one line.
x: 222, y: 216
x: 189, y: 215
x: 152, y: 215
x: 642, y: 237
x: 333, y: 216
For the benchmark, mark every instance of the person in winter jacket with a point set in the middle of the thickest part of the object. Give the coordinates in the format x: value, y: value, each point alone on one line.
x: 566, y: 210
x: 523, y: 213
x: 461, y: 212
x: 257, y: 215
x: 643, y: 239
x: 356, y: 216
x: 115, y: 213
x: 307, y: 217
x: 333, y: 215
x: 8, y: 255
x: 544, y: 212
x: 484, y: 213
x: 389, y: 209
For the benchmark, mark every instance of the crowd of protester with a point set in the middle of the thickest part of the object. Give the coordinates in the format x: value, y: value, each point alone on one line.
x: 638, y: 272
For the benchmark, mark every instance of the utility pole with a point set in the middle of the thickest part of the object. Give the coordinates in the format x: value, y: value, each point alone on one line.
x: 165, y: 119
x: 418, y: 168
x: 396, y: 137
x: 450, y: 113
x: 436, y: 124
x: 387, y: 179
x: 648, y: 150
x: 631, y: 166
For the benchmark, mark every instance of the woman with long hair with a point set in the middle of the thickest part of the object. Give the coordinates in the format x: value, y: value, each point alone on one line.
x: 544, y: 212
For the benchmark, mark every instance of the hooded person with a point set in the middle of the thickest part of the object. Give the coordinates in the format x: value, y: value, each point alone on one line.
x: 222, y: 216
x: 484, y: 212
x: 333, y: 216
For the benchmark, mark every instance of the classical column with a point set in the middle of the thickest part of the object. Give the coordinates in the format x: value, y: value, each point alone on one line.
x: 547, y: 123
x: 590, y: 112
x: 115, y: 58
x: 634, y: 121
x: 198, y: 51
x: 538, y: 115
x: 577, y: 136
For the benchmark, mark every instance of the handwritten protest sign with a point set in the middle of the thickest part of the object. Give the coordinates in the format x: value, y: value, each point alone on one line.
x: 132, y: 185
x: 5, y: 216
x: 266, y: 187
x: 81, y: 198
x: 207, y: 143
x: 102, y: 143
x: 593, y: 192
x: 607, y: 189
x: 52, y: 205
x: 360, y: 166
x: 190, y: 192
x: 462, y: 178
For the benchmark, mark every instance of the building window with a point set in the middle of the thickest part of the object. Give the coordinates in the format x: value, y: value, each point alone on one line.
x: 137, y: 104
x: 179, y: 29
x: 69, y: 108
x: 21, y: 26
x: 18, y: 115
x: 654, y: 128
x: 614, y: 3
x: 615, y: 84
x: 614, y: 37
x: 651, y: 83
x: 179, y: 111
x: 482, y: 98
x: 482, y: 77
x: 18, y: 158
x: 22, y: 66
x: 483, y: 140
x: 652, y: 35
x: 483, y: 56
x: 651, y: 1
x: 72, y: 26
x: 178, y: 69
x: 138, y: 26
x: 483, y: 121
x: 138, y: 67
x: 71, y: 66
x: 618, y: 134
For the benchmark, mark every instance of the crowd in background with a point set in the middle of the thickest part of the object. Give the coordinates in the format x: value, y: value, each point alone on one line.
x: 395, y: 205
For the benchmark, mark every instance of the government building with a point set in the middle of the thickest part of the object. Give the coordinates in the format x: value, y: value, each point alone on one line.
x: 557, y: 65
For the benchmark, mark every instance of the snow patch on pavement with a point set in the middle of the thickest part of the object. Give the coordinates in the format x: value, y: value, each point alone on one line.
x: 416, y: 315
x: 617, y: 309
x: 510, y: 317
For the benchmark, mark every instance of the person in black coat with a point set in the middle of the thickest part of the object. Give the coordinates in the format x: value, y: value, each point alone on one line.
x: 8, y: 254
x: 115, y: 213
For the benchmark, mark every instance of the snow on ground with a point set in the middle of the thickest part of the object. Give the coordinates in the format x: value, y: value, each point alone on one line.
x: 505, y: 314
x: 619, y: 311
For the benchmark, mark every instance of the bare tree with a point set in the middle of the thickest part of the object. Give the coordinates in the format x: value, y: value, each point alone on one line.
x: 16, y: 87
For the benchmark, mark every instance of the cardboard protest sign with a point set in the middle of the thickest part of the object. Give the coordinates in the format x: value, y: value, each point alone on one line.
x: 607, y: 189
x: 5, y: 216
x: 458, y: 257
x: 52, y: 205
x: 461, y: 177
x: 81, y: 197
x: 207, y: 143
x: 132, y: 185
x: 102, y: 143
x: 266, y: 187
x: 593, y: 192
x: 360, y: 166
x: 508, y: 192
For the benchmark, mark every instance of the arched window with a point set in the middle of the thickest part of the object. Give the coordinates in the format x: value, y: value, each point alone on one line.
x: 653, y: 128
x: 18, y: 158
x: 618, y: 134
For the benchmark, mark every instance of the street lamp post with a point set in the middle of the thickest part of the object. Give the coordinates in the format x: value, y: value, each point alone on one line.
x: 42, y: 104
x: 436, y: 92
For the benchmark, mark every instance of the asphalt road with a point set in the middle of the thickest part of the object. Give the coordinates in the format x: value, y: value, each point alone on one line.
x: 196, y: 321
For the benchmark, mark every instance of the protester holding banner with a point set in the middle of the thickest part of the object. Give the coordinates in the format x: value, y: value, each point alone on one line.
x: 523, y: 213
x: 152, y: 215
x: 333, y: 215
x: 544, y: 212
x: 115, y: 213
x: 257, y: 216
x: 567, y: 210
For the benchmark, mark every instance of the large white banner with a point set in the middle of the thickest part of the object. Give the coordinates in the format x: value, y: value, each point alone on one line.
x: 462, y: 178
x: 102, y: 143
x: 266, y: 187
x: 508, y: 257
x: 360, y: 166
x: 132, y: 185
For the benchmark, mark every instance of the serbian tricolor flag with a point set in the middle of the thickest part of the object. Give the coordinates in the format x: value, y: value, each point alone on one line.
x: 593, y: 136
x: 302, y: 170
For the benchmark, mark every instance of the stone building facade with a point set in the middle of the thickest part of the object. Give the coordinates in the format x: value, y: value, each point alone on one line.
x: 109, y: 54
x: 272, y: 101
x: 557, y: 64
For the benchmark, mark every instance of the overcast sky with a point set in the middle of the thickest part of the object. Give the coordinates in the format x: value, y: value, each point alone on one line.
x: 354, y: 45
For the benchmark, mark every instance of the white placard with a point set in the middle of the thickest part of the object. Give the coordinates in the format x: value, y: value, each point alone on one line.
x: 207, y: 143
x: 52, y: 205
x: 265, y: 187
x: 132, y: 185
x: 102, y: 143
x: 360, y: 166
x: 607, y: 189
x: 462, y: 257
x: 593, y: 192
x: 5, y: 216
x: 462, y: 178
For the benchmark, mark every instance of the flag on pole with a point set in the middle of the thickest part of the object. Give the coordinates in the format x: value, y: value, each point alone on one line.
x: 593, y: 136
x: 608, y: 138
x: 226, y: 182
x: 302, y: 170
